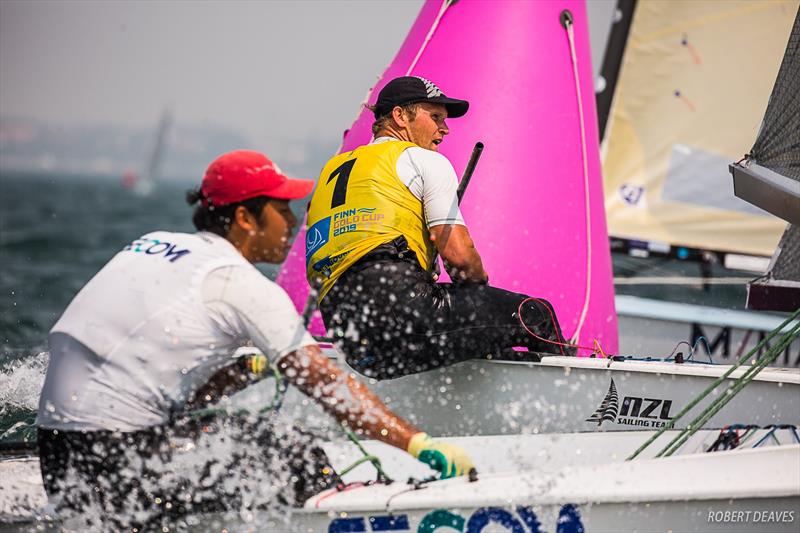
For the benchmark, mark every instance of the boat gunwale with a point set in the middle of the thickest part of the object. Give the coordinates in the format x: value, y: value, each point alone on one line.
x: 584, y: 485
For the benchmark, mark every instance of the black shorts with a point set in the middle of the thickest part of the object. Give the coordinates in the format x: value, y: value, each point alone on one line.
x: 391, y: 318
x: 150, y: 478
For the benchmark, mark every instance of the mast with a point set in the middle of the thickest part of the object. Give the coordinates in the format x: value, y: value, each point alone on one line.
x: 612, y: 60
x: 144, y: 185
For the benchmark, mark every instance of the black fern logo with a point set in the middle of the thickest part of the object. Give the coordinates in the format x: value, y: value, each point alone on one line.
x: 608, y: 408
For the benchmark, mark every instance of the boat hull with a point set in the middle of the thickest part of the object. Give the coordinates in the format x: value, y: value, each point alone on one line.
x: 567, y: 394
x: 747, y: 514
x: 535, y: 483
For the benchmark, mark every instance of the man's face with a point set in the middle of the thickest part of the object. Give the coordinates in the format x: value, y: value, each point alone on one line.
x: 428, y: 127
x: 270, y: 243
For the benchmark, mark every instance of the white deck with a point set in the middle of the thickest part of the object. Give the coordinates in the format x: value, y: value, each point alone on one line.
x: 755, y: 473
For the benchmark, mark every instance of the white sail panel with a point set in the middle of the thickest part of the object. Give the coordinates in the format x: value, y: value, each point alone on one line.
x: 693, y: 87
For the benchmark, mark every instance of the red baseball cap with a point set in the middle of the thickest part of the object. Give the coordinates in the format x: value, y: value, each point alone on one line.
x: 244, y: 174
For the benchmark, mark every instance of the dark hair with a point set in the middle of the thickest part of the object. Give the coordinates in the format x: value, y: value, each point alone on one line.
x: 381, y: 121
x: 217, y: 219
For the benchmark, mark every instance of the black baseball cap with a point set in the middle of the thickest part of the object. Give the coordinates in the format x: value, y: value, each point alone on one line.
x: 411, y: 89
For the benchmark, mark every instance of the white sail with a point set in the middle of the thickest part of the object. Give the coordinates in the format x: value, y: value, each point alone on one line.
x: 693, y: 86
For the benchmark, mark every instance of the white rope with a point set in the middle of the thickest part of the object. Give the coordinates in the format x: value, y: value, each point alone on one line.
x: 588, y: 291
x: 445, y: 5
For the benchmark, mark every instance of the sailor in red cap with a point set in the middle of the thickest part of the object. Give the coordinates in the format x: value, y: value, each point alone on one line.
x: 150, y: 339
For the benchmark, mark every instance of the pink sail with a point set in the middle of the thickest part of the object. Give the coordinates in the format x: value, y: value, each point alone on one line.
x: 535, y: 203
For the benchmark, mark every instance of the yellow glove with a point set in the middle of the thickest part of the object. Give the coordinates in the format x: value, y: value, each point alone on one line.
x: 256, y: 363
x: 448, y: 459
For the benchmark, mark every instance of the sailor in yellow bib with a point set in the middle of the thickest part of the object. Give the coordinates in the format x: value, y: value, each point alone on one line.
x: 377, y: 216
x: 359, y: 204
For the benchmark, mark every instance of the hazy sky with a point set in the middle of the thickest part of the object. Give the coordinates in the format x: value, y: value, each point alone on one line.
x: 263, y: 67
x: 270, y: 69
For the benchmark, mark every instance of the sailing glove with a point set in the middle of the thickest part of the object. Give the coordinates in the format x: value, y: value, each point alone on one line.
x: 255, y: 364
x: 448, y: 459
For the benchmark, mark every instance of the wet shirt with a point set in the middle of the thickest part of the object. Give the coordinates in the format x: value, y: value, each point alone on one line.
x: 372, y: 195
x: 154, y: 325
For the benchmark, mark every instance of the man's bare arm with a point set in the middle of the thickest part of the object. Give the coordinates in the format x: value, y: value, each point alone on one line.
x: 458, y: 252
x: 344, y: 397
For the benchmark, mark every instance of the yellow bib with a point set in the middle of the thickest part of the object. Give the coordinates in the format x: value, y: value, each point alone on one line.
x: 360, y: 203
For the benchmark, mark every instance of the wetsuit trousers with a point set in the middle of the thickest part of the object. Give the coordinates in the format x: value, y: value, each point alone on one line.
x: 391, y: 319
x: 152, y: 478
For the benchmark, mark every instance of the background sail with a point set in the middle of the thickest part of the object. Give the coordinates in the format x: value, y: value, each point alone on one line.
x: 526, y: 206
x: 695, y: 80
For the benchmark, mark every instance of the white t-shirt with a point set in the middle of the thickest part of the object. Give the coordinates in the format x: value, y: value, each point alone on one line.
x: 432, y: 179
x: 154, y: 325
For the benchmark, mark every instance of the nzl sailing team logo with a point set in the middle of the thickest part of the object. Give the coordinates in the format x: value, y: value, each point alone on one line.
x: 609, y: 407
x: 634, y: 411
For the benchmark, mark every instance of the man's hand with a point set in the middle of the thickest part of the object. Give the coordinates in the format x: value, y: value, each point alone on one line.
x: 448, y: 459
x: 229, y: 380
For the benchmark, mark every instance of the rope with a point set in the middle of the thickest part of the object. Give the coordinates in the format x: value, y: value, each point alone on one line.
x: 669, y: 425
x: 770, y: 433
x: 596, y: 348
x: 442, y: 9
x: 751, y: 430
x: 732, y: 391
x: 382, y: 477
x: 561, y: 343
x: 567, y: 21
x: 729, y: 437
